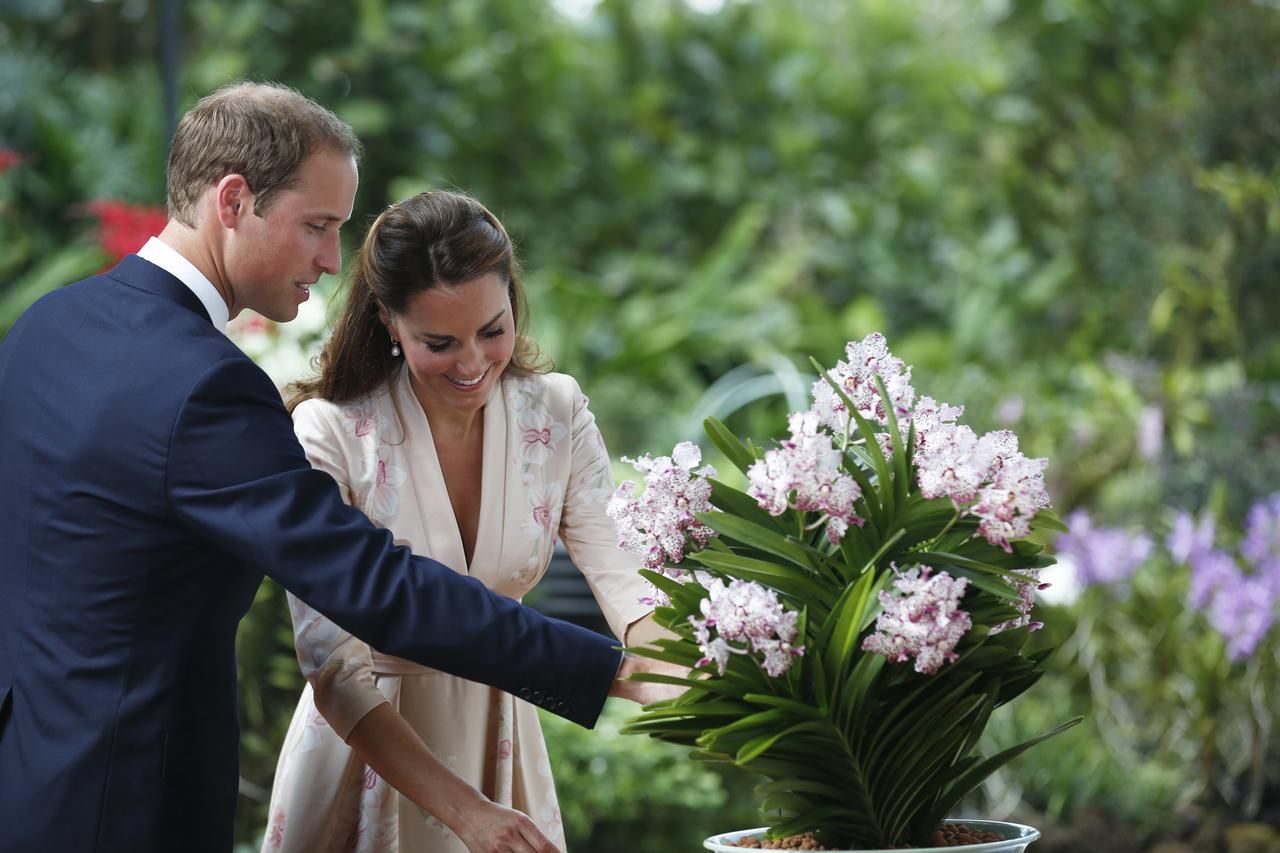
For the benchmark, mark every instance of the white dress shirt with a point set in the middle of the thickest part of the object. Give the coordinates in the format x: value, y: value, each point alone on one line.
x: 168, y: 259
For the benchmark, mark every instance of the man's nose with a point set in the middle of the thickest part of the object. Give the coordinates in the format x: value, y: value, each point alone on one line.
x: 330, y: 258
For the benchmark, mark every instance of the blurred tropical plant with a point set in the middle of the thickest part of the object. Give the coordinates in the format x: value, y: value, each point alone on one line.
x: 1175, y: 656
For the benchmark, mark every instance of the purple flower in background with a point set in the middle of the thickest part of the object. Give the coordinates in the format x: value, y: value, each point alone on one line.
x: 1261, y: 545
x: 1101, y: 555
x: 1240, y: 606
x: 1242, y: 610
x: 1210, y: 572
x: 1009, y: 410
x: 1190, y: 540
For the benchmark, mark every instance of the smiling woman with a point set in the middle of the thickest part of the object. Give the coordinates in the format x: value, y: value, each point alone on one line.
x: 430, y: 397
x: 457, y: 341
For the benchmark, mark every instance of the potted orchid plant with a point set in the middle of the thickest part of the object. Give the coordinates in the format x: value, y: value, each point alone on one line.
x: 850, y: 620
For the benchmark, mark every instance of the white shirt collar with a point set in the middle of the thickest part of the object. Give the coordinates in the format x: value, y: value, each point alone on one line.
x: 171, y: 261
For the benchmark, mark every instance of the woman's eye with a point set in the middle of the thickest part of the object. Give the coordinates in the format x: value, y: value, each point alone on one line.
x: 495, y: 333
x: 437, y: 347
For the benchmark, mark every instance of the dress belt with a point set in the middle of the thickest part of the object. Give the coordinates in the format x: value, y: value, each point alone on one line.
x: 391, y: 665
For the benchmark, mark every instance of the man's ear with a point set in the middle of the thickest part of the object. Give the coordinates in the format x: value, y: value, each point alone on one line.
x: 232, y: 199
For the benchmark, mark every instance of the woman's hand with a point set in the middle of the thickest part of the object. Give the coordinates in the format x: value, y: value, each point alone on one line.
x: 386, y: 742
x: 487, y: 827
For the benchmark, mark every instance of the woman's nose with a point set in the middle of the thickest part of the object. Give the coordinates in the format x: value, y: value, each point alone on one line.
x: 470, y: 361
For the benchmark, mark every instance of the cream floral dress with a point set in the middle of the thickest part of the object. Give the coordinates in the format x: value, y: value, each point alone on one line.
x: 546, y: 473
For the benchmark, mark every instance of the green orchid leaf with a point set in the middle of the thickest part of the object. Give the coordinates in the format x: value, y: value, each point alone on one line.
x: 785, y: 581
x: 741, y: 456
x: 684, y: 596
x: 854, y: 705
x: 868, y: 504
x: 797, y: 708
x: 804, y: 786
x: 910, y: 715
x: 850, y: 616
x: 885, y: 548
x: 755, y: 747
x: 901, y: 462
x: 741, y: 504
x: 975, y: 775
x: 761, y: 538
x: 1047, y: 519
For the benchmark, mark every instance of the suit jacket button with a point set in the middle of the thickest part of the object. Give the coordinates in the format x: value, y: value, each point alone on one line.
x: 537, y: 696
x: 524, y: 693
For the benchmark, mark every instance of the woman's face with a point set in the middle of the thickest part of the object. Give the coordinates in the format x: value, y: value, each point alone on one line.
x: 456, y: 340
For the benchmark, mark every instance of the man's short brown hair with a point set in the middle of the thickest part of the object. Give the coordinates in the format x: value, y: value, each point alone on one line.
x: 262, y: 131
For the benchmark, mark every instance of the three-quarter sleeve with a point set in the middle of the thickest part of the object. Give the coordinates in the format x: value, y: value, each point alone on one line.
x: 589, y: 534
x: 338, y: 666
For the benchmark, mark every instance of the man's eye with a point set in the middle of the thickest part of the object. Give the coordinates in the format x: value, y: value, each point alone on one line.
x: 315, y: 229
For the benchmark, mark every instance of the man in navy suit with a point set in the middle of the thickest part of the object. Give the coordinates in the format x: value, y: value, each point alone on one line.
x: 149, y: 478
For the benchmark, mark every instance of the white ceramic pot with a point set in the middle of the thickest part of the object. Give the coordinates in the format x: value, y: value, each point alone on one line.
x: 1015, y: 838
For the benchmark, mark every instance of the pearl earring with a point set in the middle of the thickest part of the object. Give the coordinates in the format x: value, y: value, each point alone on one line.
x: 395, y: 348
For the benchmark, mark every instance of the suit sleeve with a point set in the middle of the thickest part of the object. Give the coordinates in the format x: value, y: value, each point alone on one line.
x: 238, y: 478
x: 338, y: 666
x: 589, y: 535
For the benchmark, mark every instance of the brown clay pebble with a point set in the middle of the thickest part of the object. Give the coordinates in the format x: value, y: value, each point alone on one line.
x: 950, y: 835
x: 803, y: 841
x: 956, y: 834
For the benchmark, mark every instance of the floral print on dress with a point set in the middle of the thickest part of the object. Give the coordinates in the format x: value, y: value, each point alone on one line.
x: 379, y: 828
x: 544, y: 510
x: 364, y: 419
x: 504, y: 765
x: 383, y: 500
x: 379, y: 461
x: 539, y: 435
x: 275, y: 832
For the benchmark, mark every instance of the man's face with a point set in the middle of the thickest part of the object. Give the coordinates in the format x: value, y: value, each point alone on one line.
x: 272, y: 260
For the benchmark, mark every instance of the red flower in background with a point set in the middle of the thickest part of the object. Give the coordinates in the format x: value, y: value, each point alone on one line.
x: 8, y: 159
x: 123, y: 228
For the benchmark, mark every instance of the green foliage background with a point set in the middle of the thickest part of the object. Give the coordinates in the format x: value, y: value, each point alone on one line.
x: 1064, y: 213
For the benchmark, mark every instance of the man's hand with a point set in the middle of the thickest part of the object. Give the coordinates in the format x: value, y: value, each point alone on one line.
x: 645, y: 692
x: 491, y: 828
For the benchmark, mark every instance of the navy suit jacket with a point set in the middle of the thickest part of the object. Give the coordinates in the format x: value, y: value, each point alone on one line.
x: 149, y: 478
